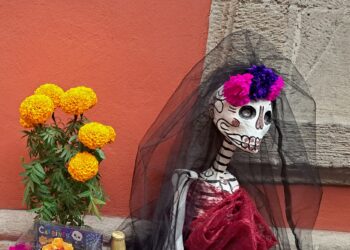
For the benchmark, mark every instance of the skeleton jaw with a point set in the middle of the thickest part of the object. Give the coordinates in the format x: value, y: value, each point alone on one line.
x: 246, y: 143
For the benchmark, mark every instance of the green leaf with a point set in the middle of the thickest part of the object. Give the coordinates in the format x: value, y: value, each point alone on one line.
x: 44, y: 190
x: 35, y: 179
x: 100, y: 154
x: 99, y: 202
x: 35, y: 210
x: 26, y: 195
x: 63, y: 154
x: 24, y: 174
x: 39, y: 171
x: 73, y: 138
x: 95, y: 210
x: 27, y: 166
x: 26, y: 133
x: 30, y: 185
x: 84, y: 194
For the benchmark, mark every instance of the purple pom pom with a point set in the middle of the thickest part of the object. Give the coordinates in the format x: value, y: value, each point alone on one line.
x: 263, y: 79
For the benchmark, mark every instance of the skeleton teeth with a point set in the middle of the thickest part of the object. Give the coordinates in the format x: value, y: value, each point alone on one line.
x: 245, y: 141
x: 252, y: 142
x: 257, y: 142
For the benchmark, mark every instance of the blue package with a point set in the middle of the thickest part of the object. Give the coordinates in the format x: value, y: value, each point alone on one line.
x: 80, y: 238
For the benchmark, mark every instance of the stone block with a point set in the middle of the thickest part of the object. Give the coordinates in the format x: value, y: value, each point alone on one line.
x: 324, y: 4
x: 267, y: 19
x: 317, y: 29
x: 221, y: 17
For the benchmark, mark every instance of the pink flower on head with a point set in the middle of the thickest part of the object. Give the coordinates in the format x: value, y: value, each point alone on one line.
x: 275, y: 89
x: 236, y: 89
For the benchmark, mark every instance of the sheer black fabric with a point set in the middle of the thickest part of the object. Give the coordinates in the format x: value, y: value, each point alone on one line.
x: 280, y: 178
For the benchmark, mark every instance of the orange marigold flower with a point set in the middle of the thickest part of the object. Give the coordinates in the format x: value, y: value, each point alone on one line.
x: 83, y: 166
x: 78, y: 100
x: 36, y: 109
x: 58, y: 244
x: 25, y: 124
x: 95, y: 135
x: 51, y: 90
x: 112, y: 134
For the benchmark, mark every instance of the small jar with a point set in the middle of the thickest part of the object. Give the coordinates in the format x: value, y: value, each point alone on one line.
x: 118, y: 241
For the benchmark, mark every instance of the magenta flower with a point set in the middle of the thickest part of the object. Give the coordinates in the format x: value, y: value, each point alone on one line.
x: 275, y: 89
x: 236, y: 89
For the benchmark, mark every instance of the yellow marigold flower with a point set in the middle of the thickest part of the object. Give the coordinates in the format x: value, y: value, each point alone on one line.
x: 95, y: 135
x: 25, y: 124
x: 58, y: 244
x: 67, y: 246
x: 51, y: 90
x: 76, y: 101
x: 47, y: 247
x: 83, y: 166
x: 111, y: 133
x: 36, y: 109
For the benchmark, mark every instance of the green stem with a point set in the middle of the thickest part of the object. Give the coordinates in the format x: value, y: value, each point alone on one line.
x: 53, y: 118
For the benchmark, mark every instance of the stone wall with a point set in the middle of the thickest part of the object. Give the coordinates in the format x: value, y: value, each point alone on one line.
x: 315, y: 35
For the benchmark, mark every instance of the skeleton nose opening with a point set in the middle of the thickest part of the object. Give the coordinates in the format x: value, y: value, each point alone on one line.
x: 260, y: 121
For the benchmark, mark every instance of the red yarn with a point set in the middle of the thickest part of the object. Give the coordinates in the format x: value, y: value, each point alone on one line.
x: 232, y: 224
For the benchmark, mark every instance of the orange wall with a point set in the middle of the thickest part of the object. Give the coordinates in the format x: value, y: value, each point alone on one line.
x: 133, y: 53
x: 335, y: 209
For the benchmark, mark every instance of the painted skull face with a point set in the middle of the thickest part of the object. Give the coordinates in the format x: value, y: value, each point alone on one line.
x: 244, y: 126
x: 77, y: 235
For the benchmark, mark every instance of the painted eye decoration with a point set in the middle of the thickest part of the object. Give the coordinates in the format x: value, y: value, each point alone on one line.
x: 268, y: 117
x: 247, y: 112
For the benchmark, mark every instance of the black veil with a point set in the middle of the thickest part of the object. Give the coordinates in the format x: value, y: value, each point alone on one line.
x: 280, y: 178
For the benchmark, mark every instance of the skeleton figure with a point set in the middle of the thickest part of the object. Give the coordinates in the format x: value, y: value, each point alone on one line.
x: 243, y: 127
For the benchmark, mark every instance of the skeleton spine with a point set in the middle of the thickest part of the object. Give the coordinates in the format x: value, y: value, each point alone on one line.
x: 224, y: 156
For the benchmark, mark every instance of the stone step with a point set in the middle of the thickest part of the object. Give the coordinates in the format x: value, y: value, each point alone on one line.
x: 15, y: 223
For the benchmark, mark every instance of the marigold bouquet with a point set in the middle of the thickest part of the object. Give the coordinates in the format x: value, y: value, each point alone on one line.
x: 62, y: 182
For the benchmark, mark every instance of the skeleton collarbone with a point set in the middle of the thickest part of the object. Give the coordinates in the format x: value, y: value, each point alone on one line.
x: 222, y: 180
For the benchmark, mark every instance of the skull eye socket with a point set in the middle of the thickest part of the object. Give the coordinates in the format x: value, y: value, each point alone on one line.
x: 247, y: 112
x: 268, y: 117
